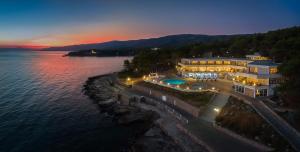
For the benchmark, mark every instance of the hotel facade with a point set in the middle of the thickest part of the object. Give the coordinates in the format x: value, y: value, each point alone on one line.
x: 254, y: 76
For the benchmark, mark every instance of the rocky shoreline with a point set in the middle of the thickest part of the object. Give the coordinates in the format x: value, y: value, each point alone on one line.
x: 147, y: 137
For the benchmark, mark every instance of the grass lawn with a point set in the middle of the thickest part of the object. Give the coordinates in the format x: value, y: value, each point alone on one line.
x: 196, y: 99
x: 243, y: 119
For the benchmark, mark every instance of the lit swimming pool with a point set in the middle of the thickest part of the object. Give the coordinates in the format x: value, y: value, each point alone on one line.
x: 174, y: 81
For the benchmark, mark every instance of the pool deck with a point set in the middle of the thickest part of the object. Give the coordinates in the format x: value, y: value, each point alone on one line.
x: 180, y: 88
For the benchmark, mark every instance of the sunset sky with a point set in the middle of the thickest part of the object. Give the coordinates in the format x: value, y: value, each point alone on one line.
x: 67, y: 22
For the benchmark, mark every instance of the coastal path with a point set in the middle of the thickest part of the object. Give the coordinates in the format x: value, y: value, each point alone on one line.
x: 205, y: 131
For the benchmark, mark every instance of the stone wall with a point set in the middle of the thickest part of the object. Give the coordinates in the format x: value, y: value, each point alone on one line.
x: 169, y: 99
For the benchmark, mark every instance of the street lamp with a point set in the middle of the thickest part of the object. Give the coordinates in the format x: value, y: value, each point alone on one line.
x: 217, y: 110
x: 129, y: 82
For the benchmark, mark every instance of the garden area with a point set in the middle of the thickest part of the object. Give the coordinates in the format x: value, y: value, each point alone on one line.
x: 242, y: 119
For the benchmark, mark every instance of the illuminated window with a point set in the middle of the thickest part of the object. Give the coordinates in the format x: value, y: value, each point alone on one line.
x: 211, y: 69
x: 218, y: 62
x: 202, y: 62
x: 194, y: 62
x: 211, y: 62
x: 253, y: 70
x: 241, y: 63
x: 273, y: 70
x: 227, y: 62
x: 262, y: 92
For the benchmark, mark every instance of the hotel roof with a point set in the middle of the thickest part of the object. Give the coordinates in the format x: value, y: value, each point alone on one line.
x: 263, y: 63
x: 215, y: 58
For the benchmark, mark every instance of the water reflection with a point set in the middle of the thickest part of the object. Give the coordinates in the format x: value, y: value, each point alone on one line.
x: 43, y: 108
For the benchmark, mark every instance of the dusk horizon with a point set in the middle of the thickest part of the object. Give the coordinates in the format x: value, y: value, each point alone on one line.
x: 61, y: 23
x: 149, y: 76
x: 37, y: 47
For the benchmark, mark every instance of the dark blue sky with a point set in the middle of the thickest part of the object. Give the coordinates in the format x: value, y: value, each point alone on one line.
x: 62, y: 22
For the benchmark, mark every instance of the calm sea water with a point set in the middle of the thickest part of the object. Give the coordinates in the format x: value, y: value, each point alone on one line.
x: 42, y: 107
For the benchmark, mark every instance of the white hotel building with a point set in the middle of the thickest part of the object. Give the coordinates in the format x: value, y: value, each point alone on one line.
x: 255, y: 75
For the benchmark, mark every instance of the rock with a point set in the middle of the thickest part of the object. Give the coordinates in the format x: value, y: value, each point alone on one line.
x: 124, y: 109
x: 102, y: 90
x: 153, y: 133
x: 158, y: 141
x: 107, y: 103
x: 132, y: 117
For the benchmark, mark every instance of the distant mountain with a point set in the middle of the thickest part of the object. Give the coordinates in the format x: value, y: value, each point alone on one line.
x: 172, y: 40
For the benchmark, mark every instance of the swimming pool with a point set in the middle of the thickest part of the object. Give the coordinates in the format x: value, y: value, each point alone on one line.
x: 174, y: 81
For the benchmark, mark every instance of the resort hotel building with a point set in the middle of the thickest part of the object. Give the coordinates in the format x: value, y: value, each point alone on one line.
x: 254, y: 76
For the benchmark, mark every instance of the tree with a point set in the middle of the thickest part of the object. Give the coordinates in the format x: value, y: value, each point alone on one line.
x: 126, y: 65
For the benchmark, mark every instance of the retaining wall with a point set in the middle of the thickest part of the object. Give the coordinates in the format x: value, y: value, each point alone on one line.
x: 169, y: 99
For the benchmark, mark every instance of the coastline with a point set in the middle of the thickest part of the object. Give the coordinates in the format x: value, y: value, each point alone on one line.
x: 148, y: 135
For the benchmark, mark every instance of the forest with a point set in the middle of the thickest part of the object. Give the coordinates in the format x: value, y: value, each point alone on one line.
x: 282, y: 46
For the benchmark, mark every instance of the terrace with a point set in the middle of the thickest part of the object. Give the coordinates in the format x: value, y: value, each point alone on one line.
x: 184, y: 85
x: 250, y: 82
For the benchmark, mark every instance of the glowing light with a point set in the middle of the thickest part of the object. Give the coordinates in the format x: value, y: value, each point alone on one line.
x: 257, y: 92
x: 177, y: 86
x: 244, y: 82
x: 213, y: 88
x: 254, y: 84
x: 188, y: 88
x: 217, y: 110
x: 128, y: 79
x: 200, y: 88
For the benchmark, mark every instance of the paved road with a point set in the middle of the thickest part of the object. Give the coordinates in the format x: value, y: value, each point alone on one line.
x: 168, y: 124
x: 215, y: 139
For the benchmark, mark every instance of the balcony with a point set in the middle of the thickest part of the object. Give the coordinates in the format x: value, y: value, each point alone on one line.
x: 249, y: 84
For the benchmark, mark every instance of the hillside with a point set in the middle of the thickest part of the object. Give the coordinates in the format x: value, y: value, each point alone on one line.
x: 172, y: 40
x: 283, y: 46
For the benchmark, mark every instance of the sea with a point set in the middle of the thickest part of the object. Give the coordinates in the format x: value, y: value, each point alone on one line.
x: 43, y: 108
